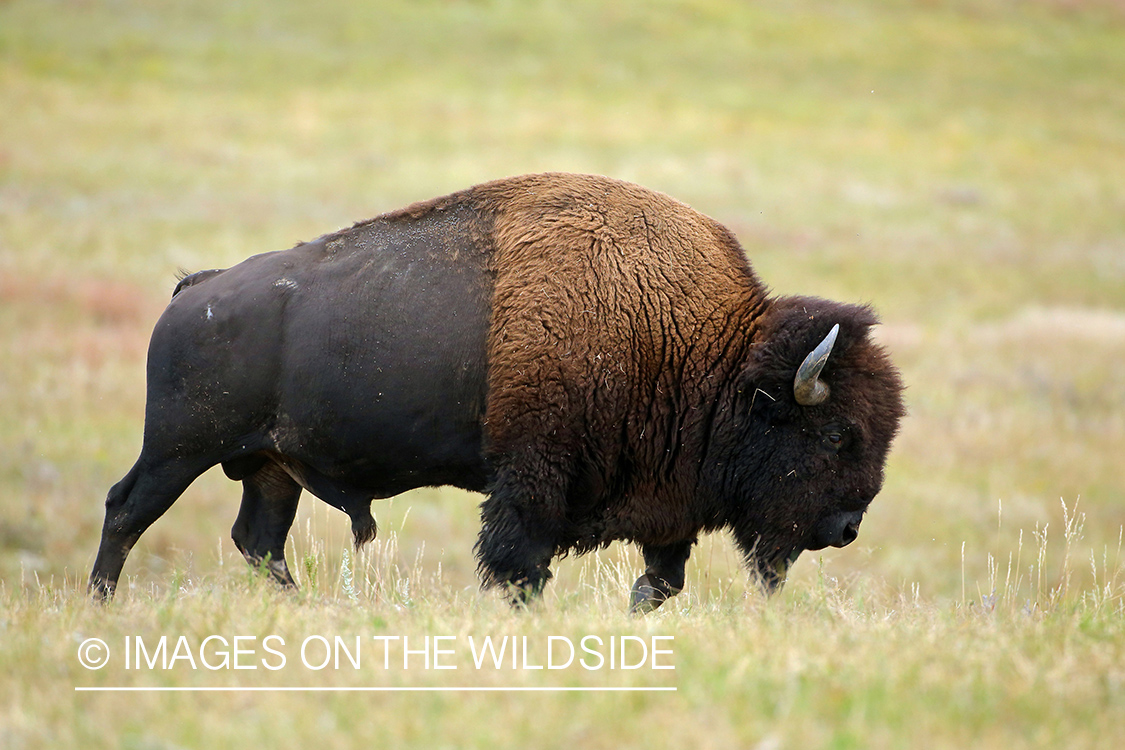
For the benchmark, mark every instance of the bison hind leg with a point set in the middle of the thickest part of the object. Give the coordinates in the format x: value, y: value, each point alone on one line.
x: 132, y: 505
x: 663, y: 577
x: 269, y: 505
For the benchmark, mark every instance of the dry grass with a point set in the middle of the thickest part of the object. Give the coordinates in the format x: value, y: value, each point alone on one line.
x: 1026, y: 658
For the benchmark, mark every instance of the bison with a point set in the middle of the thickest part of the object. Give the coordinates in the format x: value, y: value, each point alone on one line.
x: 598, y: 359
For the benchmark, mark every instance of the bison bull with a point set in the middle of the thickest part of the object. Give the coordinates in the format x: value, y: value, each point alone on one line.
x: 598, y: 359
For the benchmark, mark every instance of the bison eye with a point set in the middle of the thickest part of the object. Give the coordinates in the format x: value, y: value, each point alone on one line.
x: 832, y: 438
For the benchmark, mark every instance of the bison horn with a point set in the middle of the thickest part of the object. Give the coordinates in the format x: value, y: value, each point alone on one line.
x: 807, y: 386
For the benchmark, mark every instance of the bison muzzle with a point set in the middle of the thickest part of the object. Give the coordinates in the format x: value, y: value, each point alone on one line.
x: 598, y: 359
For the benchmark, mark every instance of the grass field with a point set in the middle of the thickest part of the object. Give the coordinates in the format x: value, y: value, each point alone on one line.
x: 960, y: 164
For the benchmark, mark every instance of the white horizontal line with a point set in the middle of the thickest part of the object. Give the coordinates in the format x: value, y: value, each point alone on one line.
x: 462, y: 689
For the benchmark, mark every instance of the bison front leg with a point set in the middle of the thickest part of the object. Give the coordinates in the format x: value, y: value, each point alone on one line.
x: 269, y: 505
x: 514, y: 548
x: 663, y: 577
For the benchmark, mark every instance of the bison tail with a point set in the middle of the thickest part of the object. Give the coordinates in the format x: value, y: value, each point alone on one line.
x: 186, y: 279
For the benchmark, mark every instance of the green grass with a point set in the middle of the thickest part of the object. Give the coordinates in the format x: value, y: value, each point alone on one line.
x: 958, y: 163
x: 831, y: 663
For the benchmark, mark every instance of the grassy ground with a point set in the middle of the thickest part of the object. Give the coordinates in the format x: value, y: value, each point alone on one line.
x: 960, y: 164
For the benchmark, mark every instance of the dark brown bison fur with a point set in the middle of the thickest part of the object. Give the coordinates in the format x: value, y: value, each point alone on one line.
x: 630, y: 338
x: 635, y: 381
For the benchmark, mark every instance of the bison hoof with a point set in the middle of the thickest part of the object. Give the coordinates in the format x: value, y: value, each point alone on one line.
x: 524, y: 591
x: 647, y: 595
x: 100, y: 590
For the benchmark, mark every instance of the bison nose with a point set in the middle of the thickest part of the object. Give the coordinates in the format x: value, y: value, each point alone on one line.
x: 837, y: 530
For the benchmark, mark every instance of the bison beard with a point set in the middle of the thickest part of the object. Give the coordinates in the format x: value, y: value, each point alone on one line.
x: 597, y: 358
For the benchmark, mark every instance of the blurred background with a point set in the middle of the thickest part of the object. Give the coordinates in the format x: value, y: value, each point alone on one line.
x: 959, y: 164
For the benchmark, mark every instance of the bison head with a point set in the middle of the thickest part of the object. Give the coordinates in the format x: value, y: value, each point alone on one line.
x: 816, y: 408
